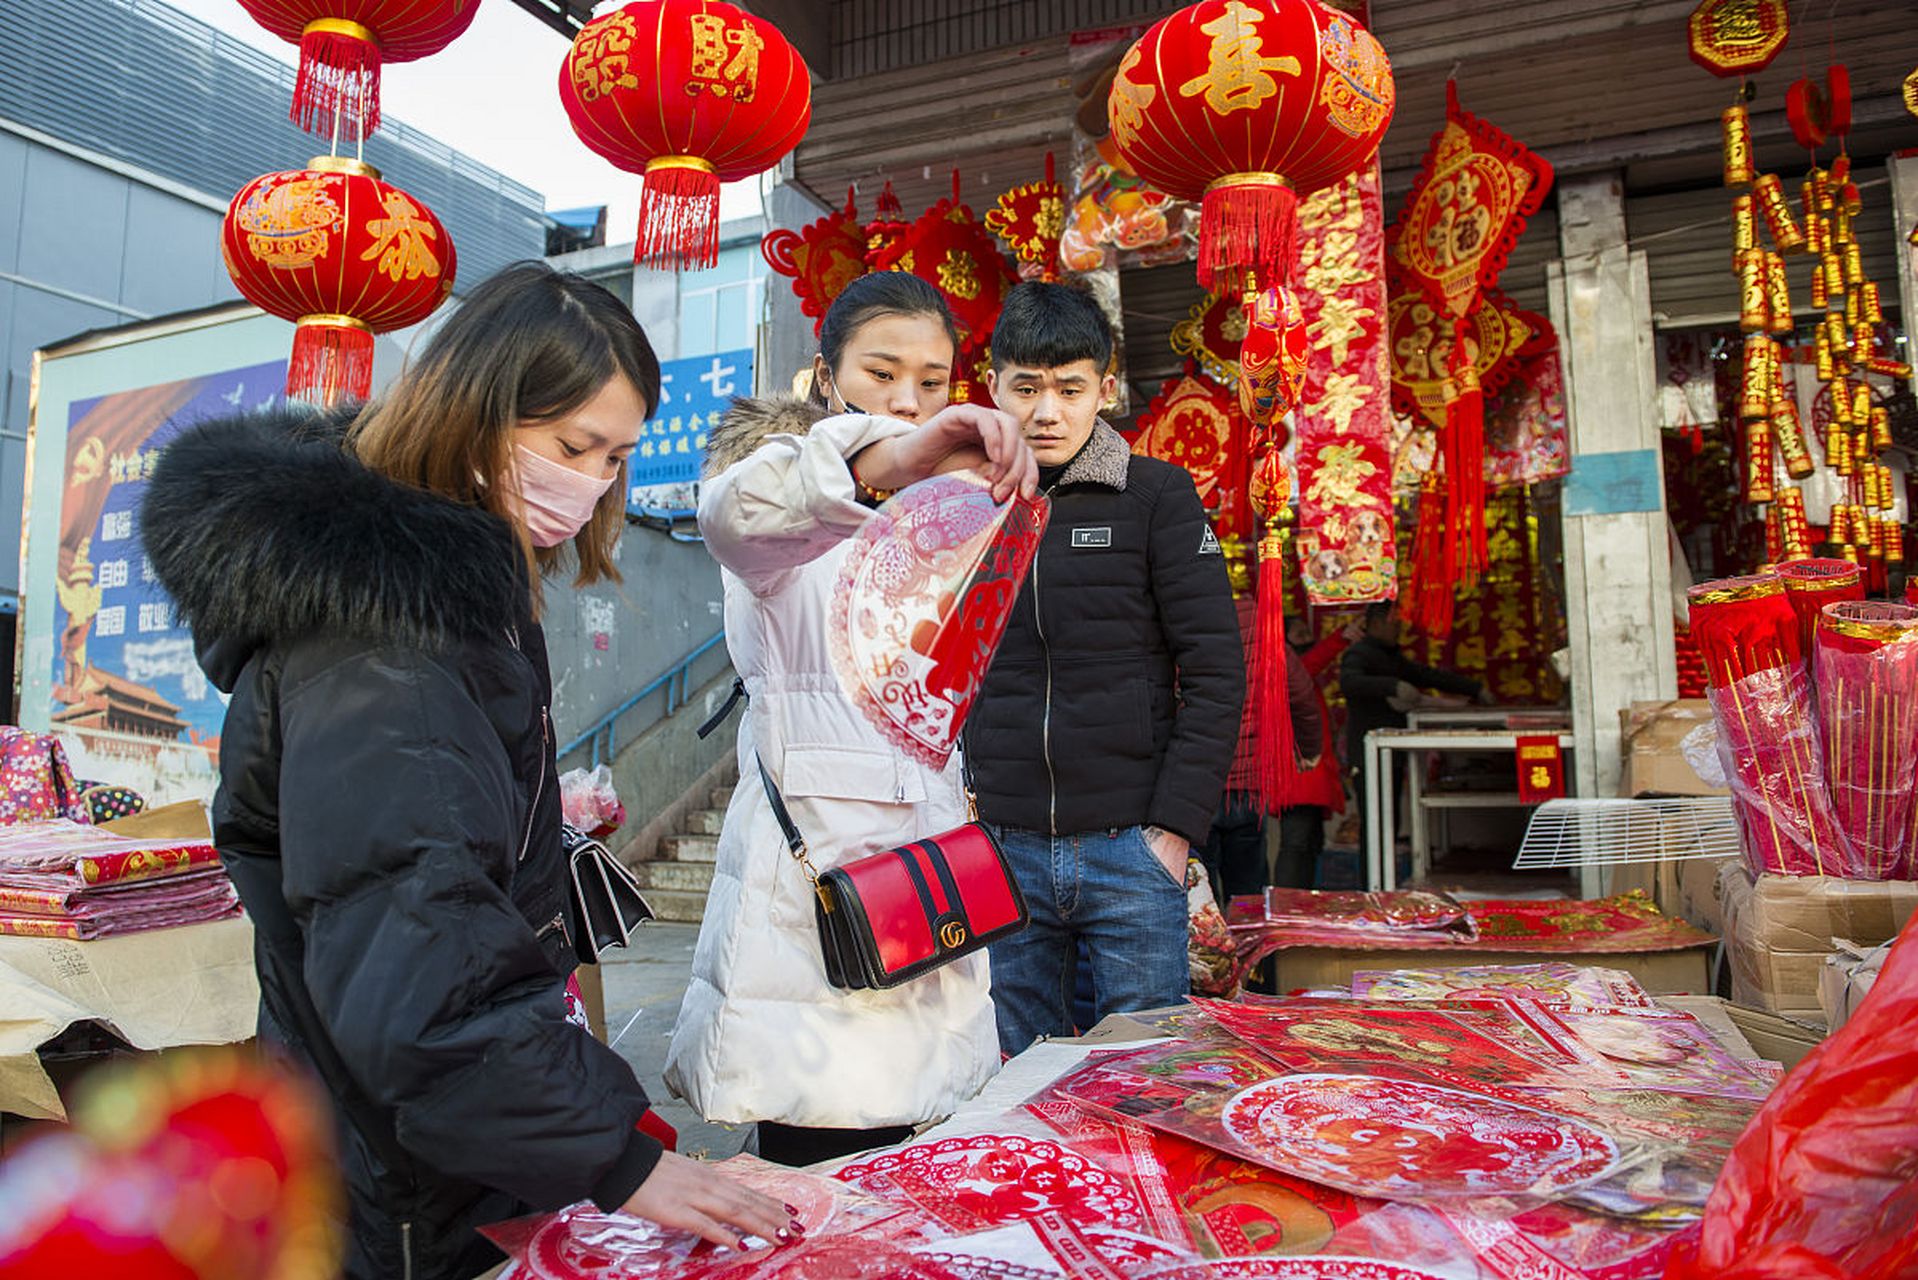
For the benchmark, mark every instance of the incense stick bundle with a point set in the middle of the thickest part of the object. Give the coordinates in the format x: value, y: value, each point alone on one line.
x: 1867, y: 660
x: 1810, y: 585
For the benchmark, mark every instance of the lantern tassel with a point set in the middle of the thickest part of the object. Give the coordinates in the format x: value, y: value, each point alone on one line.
x: 1271, y: 701
x: 679, y: 214
x: 332, y: 361
x: 1246, y: 224
x: 1433, y: 548
x: 339, y: 80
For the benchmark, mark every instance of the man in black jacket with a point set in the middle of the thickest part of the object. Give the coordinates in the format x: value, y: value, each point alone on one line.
x: 1101, y: 739
x: 1381, y: 684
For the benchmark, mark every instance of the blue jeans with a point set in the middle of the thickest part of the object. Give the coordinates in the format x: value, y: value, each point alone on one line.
x: 1106, y: 888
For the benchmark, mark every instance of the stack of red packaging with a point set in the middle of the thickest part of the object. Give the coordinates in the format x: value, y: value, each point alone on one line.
x: 61, y: 879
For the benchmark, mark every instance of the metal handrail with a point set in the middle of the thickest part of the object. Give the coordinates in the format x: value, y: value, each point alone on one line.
x: 673, y: 681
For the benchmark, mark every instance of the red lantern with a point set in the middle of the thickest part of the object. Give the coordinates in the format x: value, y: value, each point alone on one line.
x: 344, y: 256
x: 1249, y: 105
x: 952, y: 251
x: 343, y: 44
x: 691, y: 93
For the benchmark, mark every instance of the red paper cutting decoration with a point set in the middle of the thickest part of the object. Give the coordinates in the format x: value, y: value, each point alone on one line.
x: 344, y: 256
x: 1029, y: 221
x: 343, y: 44
x: 949, y: 249
x: 820, y: 260
x: 691, y: 93
x: 1466, y: 210
x: 1737, y: 37
x: 1249, y: 105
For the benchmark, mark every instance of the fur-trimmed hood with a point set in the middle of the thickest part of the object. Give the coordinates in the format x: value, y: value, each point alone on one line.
x: 750, y: 423
x: 262, y: 527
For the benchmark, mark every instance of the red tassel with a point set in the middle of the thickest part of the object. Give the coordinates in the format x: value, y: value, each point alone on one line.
x: 1430, y: 607
x: 1246, y: 226
x: 332, y: 361
x: 339, y: 77
x: 890, y: 210
x: 1271, y: 703
x: 679, y: 214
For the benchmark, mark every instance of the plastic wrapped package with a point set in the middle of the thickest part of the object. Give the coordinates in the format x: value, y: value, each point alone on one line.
x: 1866, y: 655
x: 589, y: 801
x: 1823, y: 1185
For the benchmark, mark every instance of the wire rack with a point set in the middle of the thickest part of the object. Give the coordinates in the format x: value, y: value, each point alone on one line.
x: 1607, y: 833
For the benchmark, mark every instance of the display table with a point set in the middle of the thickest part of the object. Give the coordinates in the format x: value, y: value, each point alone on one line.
x: 161, y: 989
x: 1381, y: 871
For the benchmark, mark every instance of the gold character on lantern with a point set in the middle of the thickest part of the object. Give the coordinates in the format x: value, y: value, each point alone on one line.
x: 601, y: 63
x: 1129, y: 100
x: 400, y: 240
x: 288, y: 224
x: 1238, y: 75
x: 725, y: 57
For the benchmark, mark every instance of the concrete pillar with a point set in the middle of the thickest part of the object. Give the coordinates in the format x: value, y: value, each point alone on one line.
x: 786, y: 340
x: 1903, y: 170
x: 1617, y: 557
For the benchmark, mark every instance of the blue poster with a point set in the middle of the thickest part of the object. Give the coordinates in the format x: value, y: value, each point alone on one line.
x: 693, y: 393
x: 124, y: 664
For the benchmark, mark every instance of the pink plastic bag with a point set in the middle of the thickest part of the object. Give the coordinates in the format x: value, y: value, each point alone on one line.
x: 1823, y: 1185
x: 36, y: 783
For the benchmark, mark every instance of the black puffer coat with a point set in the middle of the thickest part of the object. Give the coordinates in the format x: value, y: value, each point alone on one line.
x: 1114, y: 698
x: 389, y: 812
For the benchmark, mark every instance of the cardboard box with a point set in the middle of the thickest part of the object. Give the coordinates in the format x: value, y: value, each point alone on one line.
x: 1659, y: 972
x: 1780, y: 929
x: 1783, y: 1040
x: 1653, y: 748
x: 1847, y: 979
x: 1691, y: 890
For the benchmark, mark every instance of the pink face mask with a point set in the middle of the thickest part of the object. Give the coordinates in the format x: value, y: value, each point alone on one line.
x: 555, y: 501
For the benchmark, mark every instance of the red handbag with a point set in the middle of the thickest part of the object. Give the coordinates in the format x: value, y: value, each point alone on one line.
x: 890, y: 917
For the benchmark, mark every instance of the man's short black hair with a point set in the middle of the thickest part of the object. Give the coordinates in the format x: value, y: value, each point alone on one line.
x: 1049, y: 326
x: 1379, y: 611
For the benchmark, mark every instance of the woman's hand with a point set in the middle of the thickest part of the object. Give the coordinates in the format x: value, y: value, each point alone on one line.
x: 959, y: 435
x: 695, y: 1197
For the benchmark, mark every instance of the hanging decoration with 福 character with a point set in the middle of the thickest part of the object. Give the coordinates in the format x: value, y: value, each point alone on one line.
x: 1029, y: 221
x: 1248, y: 106
x: 343, y: 255
x: 1467, y: 208
x: 690, y: 93
x: 820, y: 259
x: 1196, y: 423
x: 1346, y: 544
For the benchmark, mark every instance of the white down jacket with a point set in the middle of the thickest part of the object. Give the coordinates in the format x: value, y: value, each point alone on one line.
x: 762, y: 1035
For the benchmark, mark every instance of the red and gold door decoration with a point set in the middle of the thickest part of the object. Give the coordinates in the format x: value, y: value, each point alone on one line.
x: 1196, y: 423
x: 1029, y: 221
x: 1466, y: 210
x: 344, y: 256
x: 1345, y: 542
x: 691, y: 93
x: 1541, y: 768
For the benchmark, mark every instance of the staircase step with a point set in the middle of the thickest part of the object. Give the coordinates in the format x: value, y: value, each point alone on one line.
x: 688, y: 848
x: 692, y: 877
x: 705, y: 822
x: 722, y: 796
x: 678, y: 906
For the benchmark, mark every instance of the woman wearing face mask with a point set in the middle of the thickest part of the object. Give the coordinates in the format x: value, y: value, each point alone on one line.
x: 365, y: 584
x: 761, y: 1034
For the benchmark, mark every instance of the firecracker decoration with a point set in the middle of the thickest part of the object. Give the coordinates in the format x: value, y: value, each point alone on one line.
x: 1346, y: 546
x: 343, y: 44
x: 1737, y: 127
x: 1734, y: 38
x: 1784, y: 229
x: 1029, y: 221
x: 690, y: 93
x: 1272, y: 356
x: 343, y: 255
x: 1210, y: 335
x: 1248, y: 106
x: 821, y: 259
x: 1466, y: 209
x: 950, y: 249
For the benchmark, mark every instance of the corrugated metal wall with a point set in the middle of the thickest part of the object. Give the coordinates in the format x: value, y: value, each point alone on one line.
x: 882, y: 35
x: 143, y: 83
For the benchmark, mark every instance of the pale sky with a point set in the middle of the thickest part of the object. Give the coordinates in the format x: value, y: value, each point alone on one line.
x: 493, y: 94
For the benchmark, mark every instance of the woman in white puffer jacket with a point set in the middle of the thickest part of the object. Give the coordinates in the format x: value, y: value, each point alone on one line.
x: 761, y: 1035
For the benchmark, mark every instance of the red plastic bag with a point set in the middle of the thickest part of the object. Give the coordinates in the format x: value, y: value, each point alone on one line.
x: 1823, y: 1185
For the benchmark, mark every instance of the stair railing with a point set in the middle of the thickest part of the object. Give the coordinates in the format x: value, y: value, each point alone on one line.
x: 674, y: 681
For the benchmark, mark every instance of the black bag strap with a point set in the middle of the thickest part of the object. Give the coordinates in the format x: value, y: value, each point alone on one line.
x: 794, y: 840
x: 737, y: 696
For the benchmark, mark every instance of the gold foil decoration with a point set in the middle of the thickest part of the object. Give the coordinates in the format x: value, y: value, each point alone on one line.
x: 1738, y: 146
x: 1841, y: 401
x: 1861, y: 405
x: 1834, y: 271
x: 1793, y: 529
x: 1777, y: 293
x: 1874, y: 313
x: 1755, y: 384
x: 1854, y: 264
x: 1744, y: 226
x: 1819, y: 297
x: 1754, y: 313
x: 1880, y: 427
x: 1840, y: 340
x: 1823, y: 341
x: 1784, y: 229
x: 1758, y: 462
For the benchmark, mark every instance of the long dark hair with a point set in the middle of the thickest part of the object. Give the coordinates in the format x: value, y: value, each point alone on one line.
x: 867, y: 298
x: 528, y: 344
